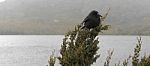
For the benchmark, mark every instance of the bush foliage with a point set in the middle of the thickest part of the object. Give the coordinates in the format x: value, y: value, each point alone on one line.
x: 79, y: 47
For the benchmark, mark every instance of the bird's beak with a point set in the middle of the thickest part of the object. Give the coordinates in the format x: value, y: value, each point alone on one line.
x: 100, y: 15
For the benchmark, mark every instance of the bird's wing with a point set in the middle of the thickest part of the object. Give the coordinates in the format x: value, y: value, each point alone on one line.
x: 85, y: 20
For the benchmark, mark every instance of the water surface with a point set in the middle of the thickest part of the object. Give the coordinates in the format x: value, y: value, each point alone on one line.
x: 34, y: 50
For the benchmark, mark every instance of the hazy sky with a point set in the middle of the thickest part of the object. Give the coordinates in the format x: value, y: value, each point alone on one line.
x: 59, y: 16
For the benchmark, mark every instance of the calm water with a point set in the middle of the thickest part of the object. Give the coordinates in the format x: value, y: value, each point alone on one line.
x: 34, y: 50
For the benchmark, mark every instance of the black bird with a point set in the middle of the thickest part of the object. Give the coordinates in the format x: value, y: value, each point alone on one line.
x: 92, y: 20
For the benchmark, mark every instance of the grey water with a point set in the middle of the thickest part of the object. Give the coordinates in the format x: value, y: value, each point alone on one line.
x: 34, y: 50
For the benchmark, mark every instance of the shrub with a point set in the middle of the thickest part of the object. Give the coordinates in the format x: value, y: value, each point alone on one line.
x: 79, y: 47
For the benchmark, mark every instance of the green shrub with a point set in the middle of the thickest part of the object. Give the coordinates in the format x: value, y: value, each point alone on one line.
x: 52, y: 59
x: 81, y: 49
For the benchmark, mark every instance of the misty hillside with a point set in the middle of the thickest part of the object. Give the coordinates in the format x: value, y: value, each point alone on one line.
x: 58, y: 16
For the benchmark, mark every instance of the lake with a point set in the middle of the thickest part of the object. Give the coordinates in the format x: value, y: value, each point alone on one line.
x: 34, y: 50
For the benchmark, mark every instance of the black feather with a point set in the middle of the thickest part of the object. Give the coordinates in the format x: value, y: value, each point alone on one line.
x: 92, y: 20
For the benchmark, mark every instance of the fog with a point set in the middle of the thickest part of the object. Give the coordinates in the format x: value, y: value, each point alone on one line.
x: 126, y: 17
